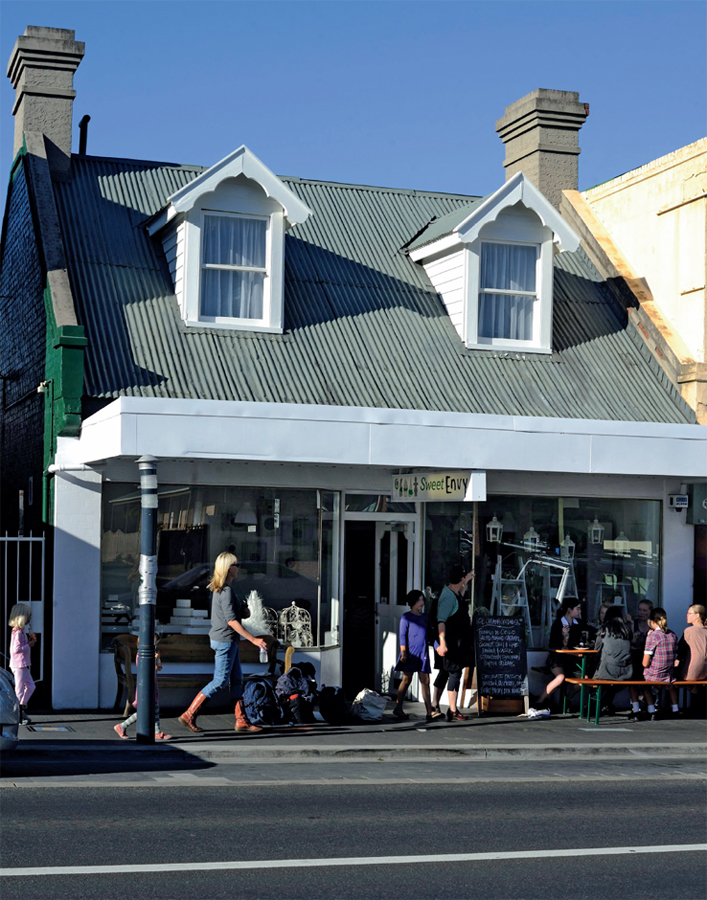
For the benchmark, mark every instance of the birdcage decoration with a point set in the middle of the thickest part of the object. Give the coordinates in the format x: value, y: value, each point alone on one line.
x: 296, y: 626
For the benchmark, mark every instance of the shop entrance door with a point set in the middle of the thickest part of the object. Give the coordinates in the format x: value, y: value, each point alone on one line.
x: 381, y: 563
x: 394, y: 577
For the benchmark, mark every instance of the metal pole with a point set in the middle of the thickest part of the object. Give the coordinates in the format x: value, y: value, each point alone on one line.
x: 147, y: 596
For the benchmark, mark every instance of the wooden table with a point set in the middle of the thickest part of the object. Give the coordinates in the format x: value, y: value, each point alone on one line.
x: 581, y: 653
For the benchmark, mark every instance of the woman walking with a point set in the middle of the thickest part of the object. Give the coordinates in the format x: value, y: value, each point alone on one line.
x: 226, y: 632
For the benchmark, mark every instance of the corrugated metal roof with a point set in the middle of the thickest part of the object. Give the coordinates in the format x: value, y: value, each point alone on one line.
x: 363, y: 325
x: 444, y: 225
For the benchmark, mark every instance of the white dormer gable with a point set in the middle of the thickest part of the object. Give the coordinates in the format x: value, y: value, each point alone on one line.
x: 224, y: 238
x: 493, y: 268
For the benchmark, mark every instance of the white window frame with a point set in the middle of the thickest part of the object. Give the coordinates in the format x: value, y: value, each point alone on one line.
x: 541, y: 341
x: 535, y: 339
x: 236, y: 321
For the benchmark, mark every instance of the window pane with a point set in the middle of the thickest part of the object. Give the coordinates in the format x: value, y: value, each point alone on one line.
x: 506, y: 316
x: 287, y: 554
x: 225, y: 292
x: 508, y: 267
x: 617, y: 560
x: 232, y: 241
x: 376, y: 503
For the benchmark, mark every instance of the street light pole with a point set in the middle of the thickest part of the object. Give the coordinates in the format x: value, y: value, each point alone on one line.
x: 147, y: 598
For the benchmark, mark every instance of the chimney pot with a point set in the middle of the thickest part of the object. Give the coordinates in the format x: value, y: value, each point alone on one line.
x: 41, y: 68
x: 540, y: 133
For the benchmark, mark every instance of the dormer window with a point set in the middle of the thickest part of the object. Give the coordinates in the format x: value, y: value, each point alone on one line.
x: 233, y: 268
x: 223, y: 235
x: 492, y: 265
x: 507, y: 291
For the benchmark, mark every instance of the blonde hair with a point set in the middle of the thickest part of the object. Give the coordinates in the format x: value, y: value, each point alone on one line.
x: 660, y: 617
x: 223, y: 563
x: 699, y: 610
x: 20, y: 614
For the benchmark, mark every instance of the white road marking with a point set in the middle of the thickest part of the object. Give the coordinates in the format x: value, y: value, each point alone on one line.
x: 345, y: 861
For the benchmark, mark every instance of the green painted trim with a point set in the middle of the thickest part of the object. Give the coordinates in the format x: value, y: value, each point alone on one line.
x: 21, y: 153
x: 63, y: 372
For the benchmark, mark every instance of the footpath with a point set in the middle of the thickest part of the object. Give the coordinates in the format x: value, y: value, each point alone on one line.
x: 64, y: 736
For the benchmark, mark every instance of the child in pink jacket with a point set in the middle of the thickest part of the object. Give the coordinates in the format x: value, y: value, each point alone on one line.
x: 20, y: 646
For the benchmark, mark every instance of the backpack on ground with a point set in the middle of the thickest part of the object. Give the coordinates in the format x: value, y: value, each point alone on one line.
x: 333, y: 705
x: 261, y: 706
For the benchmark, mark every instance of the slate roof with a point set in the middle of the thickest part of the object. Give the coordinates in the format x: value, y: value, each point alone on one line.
x: 363, y: 325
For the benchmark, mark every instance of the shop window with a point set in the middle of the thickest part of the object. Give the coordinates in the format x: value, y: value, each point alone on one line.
x: 286, y: 542
x: 612, y: 548
x: 375, y: 503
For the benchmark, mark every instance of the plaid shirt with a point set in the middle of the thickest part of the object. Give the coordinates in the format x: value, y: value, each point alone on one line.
x: 662, y: 648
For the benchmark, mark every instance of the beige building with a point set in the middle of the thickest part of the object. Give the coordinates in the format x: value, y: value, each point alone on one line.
x: 651, y: 223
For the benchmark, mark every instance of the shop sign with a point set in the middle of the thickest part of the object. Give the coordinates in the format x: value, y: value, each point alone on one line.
x: 436, y: 486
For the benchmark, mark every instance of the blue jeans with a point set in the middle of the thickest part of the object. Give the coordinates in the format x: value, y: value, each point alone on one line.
x: 227, y: 670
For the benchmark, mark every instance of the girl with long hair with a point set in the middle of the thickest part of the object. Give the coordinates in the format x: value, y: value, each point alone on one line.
x: 659, y: 657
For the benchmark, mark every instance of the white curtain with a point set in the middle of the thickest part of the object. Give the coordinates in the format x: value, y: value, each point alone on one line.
x: 507, y: 267
x: 230, y: 241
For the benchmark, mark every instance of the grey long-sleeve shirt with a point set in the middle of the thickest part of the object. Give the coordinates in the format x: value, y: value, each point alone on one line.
x: 225, y: 608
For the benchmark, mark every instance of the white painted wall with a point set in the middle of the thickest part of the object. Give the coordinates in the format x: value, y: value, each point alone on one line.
x: 279, y: 432
x: 447, y: 277
x: 657, y: 216
x: 77, y: 580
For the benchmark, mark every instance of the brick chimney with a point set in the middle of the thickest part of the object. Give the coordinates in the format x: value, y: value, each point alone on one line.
x: 41, y: 68
x: 540, y: 133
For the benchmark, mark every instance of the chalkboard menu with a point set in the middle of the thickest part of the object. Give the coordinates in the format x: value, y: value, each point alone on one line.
x: 501, y: 661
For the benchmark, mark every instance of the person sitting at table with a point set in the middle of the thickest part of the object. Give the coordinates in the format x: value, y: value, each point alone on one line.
x: 563, y: 635
x: 659, y: 661
x: 614, y: 646
x: 601, y: 613
x: 692, y: 653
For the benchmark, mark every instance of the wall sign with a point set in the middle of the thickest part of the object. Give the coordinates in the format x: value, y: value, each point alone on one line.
x: 435, y: 486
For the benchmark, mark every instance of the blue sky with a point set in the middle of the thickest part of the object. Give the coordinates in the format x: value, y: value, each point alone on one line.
x: 396, y: 93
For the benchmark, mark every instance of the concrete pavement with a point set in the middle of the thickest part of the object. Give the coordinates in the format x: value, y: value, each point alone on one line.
x: 63, y: 736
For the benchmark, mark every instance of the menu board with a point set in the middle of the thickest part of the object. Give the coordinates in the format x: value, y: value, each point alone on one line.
x: 501, y: 660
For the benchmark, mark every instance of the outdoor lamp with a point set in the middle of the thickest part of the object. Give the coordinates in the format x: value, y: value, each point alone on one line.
x: 567, y: 548
x: 596, y: 532
x: 494, y: 530
x: 531, y: 539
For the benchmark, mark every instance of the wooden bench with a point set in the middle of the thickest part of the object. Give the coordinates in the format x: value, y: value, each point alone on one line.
x: 598, y: 683
x: 182, y: 648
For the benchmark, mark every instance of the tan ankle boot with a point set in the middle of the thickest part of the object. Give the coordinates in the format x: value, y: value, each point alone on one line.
x: 188, y: 718
x: 242, y: 723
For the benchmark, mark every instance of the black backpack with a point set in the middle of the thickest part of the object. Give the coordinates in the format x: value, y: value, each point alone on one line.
x: 333, y: 705
x: 261, y: 706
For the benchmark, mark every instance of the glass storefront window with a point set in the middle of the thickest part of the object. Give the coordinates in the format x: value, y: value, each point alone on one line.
x: 286, y: 542
x: 612, y: 548
x: 376, y: 503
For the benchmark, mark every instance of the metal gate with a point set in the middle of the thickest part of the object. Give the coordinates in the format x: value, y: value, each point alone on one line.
x: 22, y: 568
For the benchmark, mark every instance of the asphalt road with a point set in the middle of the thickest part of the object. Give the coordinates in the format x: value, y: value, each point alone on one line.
x: 538, y: 808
